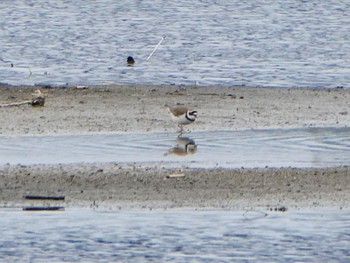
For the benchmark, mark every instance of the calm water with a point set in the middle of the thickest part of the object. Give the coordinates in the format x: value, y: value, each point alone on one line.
x: 312, y: 147
x: 265, y: 42
x: 175, y: 236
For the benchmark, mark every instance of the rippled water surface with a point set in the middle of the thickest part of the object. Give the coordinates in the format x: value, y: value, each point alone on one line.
x: 265, y: 42
x: 313, y: 147
x: 175, y: 236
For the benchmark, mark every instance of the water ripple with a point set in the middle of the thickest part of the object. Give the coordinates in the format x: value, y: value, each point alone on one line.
x: 314, y: 147
x: 174, y: 236
x: 269, y: 43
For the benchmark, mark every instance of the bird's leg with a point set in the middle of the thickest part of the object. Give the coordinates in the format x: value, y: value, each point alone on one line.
x: 181, y: 129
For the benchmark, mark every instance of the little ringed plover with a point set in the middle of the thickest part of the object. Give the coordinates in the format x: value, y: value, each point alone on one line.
x: 182, y: 115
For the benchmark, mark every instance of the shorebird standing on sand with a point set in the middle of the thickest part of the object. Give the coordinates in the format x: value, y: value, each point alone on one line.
x: 182, y: 115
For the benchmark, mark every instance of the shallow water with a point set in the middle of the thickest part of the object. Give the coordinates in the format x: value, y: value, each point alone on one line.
x: 175, y: 236
x: 283, y: 43
x: 311, y: 147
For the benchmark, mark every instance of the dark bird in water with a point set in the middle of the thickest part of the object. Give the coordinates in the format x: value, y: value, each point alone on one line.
x: 130, y: 60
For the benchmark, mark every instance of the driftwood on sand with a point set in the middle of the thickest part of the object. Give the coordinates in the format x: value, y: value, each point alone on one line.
x: 37, y: 100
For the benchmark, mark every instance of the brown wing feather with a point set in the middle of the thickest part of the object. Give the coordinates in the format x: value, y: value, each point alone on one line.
x: 178, y: 110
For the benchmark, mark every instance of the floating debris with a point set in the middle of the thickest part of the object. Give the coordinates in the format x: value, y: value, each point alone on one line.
x: 45, y: 205
x: 43, y: 208
x: 37, y: 100
x: 279, y: 209
x: 39, y: 197
x: 82, y: 87
x: 156, y: 47
x: 175, y: 175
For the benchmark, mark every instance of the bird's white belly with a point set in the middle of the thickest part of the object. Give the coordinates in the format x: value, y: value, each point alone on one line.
x: 181, y: 120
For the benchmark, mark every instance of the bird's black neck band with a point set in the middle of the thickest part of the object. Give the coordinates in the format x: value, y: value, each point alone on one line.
x: 188, y: 118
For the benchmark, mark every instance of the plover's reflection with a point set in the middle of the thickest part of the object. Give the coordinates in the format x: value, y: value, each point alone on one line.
x: 184, y: 146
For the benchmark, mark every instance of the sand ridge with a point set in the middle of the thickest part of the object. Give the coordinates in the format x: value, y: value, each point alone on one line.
x: 141, y: 109
x: 157, y: 186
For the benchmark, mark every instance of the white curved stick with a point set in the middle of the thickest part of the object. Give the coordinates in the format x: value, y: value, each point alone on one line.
x: 154, y: 50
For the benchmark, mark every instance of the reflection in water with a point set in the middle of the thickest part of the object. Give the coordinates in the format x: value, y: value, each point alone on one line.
x: 316, y: 147
x: 184, y: 146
